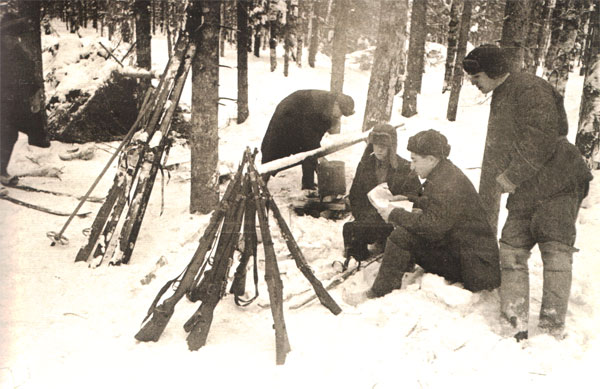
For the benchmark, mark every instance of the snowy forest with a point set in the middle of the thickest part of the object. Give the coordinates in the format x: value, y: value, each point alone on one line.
x: 143, y: 229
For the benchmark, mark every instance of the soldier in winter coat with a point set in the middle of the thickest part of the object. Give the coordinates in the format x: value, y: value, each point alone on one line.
x: 379, y: 164
x: 448, y: 234
x: 21, y: 99
x: 299, y: 123
x: 527, y: 155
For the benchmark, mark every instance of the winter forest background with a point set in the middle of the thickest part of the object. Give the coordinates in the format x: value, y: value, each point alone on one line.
x: 67, y: 323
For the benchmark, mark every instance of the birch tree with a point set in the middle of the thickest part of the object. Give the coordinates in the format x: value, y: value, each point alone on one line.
x: 389, y: 53
x: 453, y: 27
x: 338, y: 59
x: 514, y: 31
x: 416, y: 52
x: 457, y: 77
x: 588, y: 131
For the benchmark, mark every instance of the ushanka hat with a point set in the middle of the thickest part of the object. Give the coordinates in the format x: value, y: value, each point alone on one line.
x: 487, y: 58
x: 429, y: 142
x: 385, y: 135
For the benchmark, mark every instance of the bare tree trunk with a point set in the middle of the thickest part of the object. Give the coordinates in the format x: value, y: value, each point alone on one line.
x: 257, y: 39
x: 588, y: 131
x: 222, y: 32
x: 290, y: 34
x: 242, y: 60
x: 338, y: 58
x: 204, y: 139
x: 453, y: 27
x: 388, y: 55
x: 564, y: 34
x: 416, y: 50
x: 314, y: 36
x: 535, y: 24
x: 141, y: 9
x: 273, y: 45
x: 544, y: 32
x: 457, y: 78
x: 514, y: 29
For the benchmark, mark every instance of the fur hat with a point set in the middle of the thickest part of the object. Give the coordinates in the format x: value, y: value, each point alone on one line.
x: 429, y: 142
x: 346, y: 104
x: 487, y: 58
x: 384, y: 134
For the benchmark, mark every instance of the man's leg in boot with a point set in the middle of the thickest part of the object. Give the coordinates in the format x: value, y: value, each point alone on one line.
x: 309, y: 166
x: 557, y: 258
x: 514, y: 287
x: 396, y: 261
x: 8, y: 138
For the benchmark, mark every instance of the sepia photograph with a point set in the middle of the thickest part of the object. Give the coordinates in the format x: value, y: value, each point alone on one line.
x: 357, y: 194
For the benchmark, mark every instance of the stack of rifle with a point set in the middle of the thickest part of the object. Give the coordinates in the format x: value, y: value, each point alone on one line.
x: 245, y: 199
x: 112, y: 236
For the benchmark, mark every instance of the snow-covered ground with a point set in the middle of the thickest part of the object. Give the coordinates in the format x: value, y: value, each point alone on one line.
x: 66, y: 325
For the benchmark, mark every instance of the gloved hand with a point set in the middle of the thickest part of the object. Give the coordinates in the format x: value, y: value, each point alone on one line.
x: 505, y: 184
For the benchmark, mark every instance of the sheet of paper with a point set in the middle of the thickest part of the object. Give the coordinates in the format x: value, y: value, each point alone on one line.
x: 381, y: 197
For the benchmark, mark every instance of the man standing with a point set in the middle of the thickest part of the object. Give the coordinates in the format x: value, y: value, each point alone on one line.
x: 21, y: 106
x: 299, y: 123
x: 449, y: 235
x: 527, y: 155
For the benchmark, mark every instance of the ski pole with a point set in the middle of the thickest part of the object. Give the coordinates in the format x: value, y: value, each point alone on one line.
x: 58, y: 237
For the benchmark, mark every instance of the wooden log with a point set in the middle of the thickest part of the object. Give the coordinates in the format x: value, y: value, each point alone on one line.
x: 280, y: 164
x: 159, y: 315
x: 324, y: 297
x: 199, y: 324
x: 272, y: 275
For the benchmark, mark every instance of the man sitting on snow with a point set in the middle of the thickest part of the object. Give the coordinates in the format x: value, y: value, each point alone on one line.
x: 448, y: 234
x: 379, y: 164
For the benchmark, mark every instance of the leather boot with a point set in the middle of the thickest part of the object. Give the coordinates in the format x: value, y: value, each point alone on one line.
x: 393, y: 266
x: 514, y: 288
x: 558, y: 259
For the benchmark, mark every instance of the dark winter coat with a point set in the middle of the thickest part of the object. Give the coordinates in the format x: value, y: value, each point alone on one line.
x: 17, y: 87
x: 527, y: 129
x: 298, y: 124
x: 453, y: 219
x: 400, y: 181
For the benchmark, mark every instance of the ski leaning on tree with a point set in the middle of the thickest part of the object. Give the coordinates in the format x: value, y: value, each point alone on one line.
x: 299, y: 123
x: 527, y: 155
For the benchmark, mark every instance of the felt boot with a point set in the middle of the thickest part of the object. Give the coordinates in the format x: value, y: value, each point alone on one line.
x: 395, y: 263
x: 514, y: 288
x: 557, y: 258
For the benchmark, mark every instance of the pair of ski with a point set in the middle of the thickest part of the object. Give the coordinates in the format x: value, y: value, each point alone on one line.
x: 6, y: 196
x: 113, y: 235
